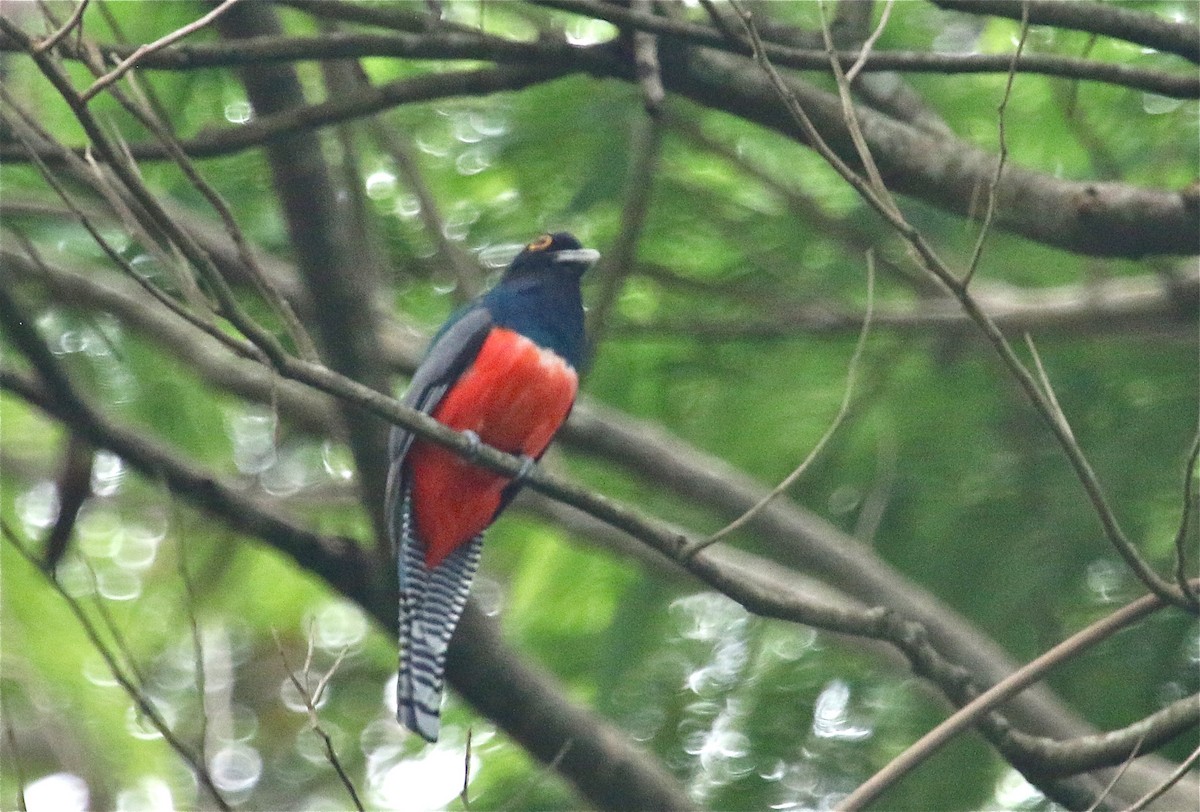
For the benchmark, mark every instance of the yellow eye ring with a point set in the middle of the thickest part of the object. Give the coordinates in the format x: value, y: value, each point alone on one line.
x: 541, y: 243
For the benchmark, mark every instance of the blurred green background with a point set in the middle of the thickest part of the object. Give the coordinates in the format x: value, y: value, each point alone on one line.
x: 975, y: 502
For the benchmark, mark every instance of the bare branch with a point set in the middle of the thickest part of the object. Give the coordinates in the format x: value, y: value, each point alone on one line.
x: 645, y: 58
x: 843, y: 409
x: 426, y: 87
x: 990, y: 212
x: 128, y: 63
x: 189, y: 591
x: 1184, y: 766
x: 1185, y: 518
x: 522, y: 700
x: 1116, y: 778
x: 63, y: 30
x: 1060, y: 417
x: 311, y: 699
x: 865, y: 51
x: 143, y: 703
x: 1052, y: 757
x: 74, y: 484
x: 1183, y: 85
x: 932, y: 741
x: 592, y: 432
x: 262, y: 282
x: 1123, y: 23
x: 925, y: 255
x: 849, y: 117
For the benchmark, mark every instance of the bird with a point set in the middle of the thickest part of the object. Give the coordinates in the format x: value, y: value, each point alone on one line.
x: 503, y: 370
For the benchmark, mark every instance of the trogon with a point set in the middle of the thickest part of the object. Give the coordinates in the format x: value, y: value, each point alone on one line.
x: 503, y: 369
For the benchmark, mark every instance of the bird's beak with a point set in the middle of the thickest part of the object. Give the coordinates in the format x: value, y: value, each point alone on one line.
x: 586, y: 256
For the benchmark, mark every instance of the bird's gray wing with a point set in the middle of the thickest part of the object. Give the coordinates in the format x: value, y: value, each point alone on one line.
x: 431, y: 599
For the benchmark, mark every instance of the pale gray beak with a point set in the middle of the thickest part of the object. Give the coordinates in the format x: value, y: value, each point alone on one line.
x: 587, y: 256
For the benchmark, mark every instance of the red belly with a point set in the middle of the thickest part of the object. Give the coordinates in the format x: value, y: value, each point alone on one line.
x: 514, y: 396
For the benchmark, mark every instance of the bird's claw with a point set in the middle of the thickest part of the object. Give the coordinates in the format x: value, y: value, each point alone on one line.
x: 473, y: 444
x: 527, y: 464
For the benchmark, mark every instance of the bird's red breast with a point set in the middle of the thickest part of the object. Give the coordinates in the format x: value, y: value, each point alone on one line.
x: 515, y: 395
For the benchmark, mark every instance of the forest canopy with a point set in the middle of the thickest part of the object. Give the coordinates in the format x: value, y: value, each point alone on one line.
x: 892, y: 391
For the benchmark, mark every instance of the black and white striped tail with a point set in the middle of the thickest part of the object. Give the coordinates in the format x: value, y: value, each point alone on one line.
x: 431, y: 602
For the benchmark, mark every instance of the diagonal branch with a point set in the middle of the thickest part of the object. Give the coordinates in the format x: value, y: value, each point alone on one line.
x: 143, y: 703
x: 749, y: 583
x: 129, y: 62
x: 990, y: 211
x: 1128, y: 24
x: 843, y: 410
x: 1113, y: 747
x: 932, y: 741
x: 933, y: 264
x: 1183, y: 85
x: 801, y: 539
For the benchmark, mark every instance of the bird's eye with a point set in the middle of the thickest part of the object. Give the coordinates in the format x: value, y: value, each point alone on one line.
x: 541, y: 243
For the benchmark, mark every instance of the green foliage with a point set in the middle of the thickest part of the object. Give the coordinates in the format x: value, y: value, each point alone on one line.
x: 981, y: 509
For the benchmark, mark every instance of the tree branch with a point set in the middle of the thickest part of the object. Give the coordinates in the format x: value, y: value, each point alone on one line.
x: 267, y: 129
x: 972, y: 712
x: 747, y: 583
x: 1166, y: 84
x: 522, y: 700
x: 338, y: 272
x: 1102, y: 219
x: 1130, y: 25
x: 1105, y: 219
x: 1108, y: 749
x: 1139, y: 305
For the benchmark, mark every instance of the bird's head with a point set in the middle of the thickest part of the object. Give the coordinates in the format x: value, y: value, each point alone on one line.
x: 558, y: 253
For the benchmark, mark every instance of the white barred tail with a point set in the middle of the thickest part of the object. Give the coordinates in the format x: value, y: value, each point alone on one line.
x: 431, y: 603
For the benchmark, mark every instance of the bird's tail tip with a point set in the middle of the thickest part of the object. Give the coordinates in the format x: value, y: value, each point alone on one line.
x: 425, y: 724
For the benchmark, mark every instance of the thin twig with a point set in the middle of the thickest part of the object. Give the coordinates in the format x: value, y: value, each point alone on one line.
x: 721, y: 23
x: 147, y: 113
x: 928, y: 259
x: 865, y: 51
x: 136, y: 677
x: 311, y: 699
x: 990, y: 212
x: 1016, y: 682
x: 1185, y: 519
x: 395, y: 143
x: 790, y: 479
x: 140, y: 700
x: 849, y: 116
x: 1060, y: 416
x: 150, y: 47
x: 97, y: 67
x: 518, y: 800
x: 14, y: 761
x: 241, y: 348
x: 645, y: 59
x: 1119, y: 773
x: 1182, y: 84
x: 168, y: 256
x: 133, y: 182
x: 63, y: 30
x: 197, y: 650
x: 463, y: 796
x: 304, y: 343
x: 1172, y: 779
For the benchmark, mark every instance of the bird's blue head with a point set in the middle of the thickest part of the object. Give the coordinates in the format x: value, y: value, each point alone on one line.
x: 550, y: 255
x: 539, y: 294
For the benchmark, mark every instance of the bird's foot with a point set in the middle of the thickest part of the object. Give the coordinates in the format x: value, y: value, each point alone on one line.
x: 473, y: 445
x: 527, y: 464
